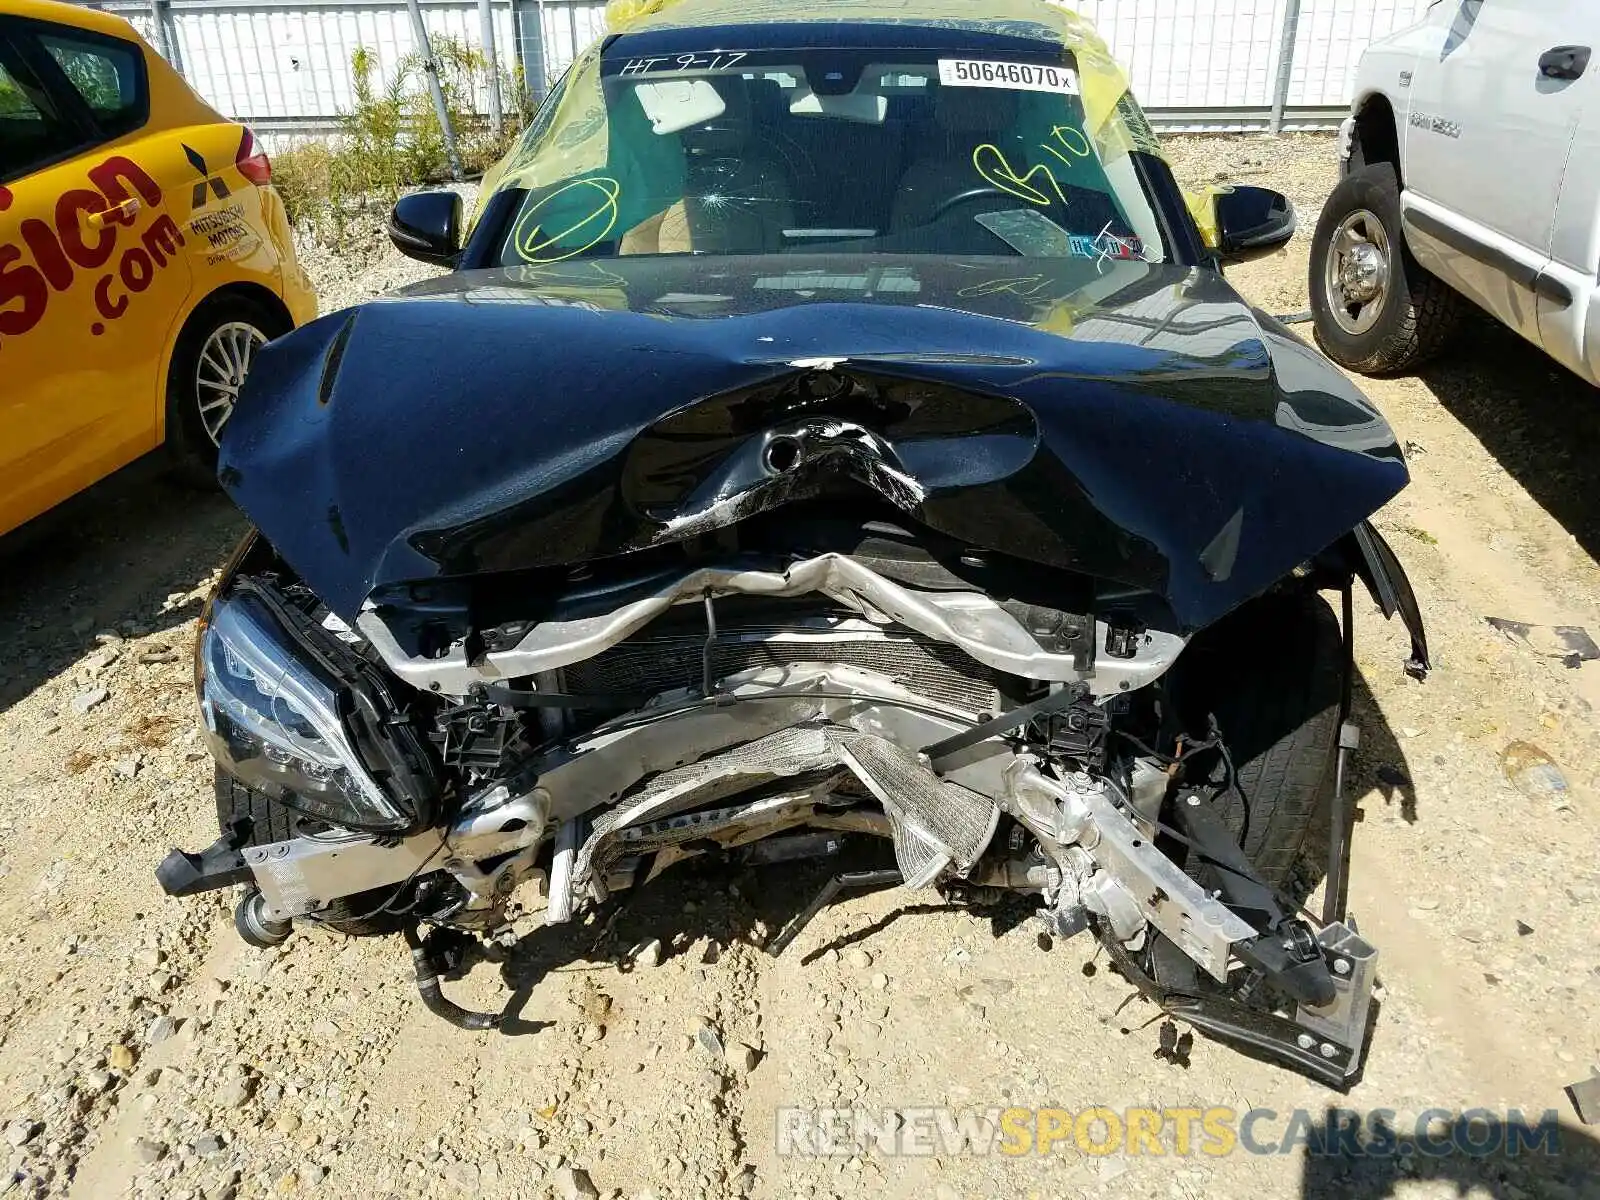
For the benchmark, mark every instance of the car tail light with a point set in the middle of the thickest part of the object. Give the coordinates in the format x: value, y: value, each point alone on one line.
x: 252, y: 160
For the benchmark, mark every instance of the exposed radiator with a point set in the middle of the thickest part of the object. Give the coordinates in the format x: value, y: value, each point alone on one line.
x: 657, y: 664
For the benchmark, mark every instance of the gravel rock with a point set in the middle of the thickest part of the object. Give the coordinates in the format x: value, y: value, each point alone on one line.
x: 573, y: 1183
x: 207, y: 1145
x: 233, y: 1091
x: 21, y: 1132
x: 709, y: 1041
x: 859, y: 959
x: 649, y: 954
x: 84, y: 701
x: 160, y: 1030
x: 742, y: 1058
x: 149, y: 957
x: 464, y: 1175
x: 148, y: 1151
x: 529, y: 1139
x: 121, y: 1058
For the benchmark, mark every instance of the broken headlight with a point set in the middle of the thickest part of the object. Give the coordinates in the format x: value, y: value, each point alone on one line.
x: 274, y: 720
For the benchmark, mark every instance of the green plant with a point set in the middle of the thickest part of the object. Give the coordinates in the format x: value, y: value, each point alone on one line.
x: 306, y: 177
x: 392, y: 139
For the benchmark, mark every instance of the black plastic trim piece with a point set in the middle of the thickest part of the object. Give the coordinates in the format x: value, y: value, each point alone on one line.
x: 941, y: 753
x: 1528, y: 278
x: 1548, y: 287
x: 1270, y: 1036
x: 1386, y: 579
x: 219, y: 865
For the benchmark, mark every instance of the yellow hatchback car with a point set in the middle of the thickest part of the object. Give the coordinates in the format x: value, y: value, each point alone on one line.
x: 144, y: 258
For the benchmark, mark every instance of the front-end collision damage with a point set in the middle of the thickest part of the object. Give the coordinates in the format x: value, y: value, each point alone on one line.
x: 992, y: 633
x: 803, y: 576
x: 1202, y: 461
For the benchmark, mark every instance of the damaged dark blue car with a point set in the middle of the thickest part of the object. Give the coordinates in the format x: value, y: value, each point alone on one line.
x: 830, y: 433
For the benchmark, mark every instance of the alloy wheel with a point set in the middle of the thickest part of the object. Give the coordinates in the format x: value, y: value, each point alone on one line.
x: 225, y: 360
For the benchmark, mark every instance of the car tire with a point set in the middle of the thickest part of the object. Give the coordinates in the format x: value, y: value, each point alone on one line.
x: 1272, y: 673
x: 270, y: 822
x: 1359, y: 249
x: 202, y: 369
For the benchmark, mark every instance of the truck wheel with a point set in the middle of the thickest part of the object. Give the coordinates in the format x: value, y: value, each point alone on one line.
x: 1376, y: 310
x: 272, y: 822
x: 213, y: 355
x: 1272, y: 674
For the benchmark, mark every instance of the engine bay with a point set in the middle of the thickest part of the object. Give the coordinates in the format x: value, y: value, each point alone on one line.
x: 736, y: 705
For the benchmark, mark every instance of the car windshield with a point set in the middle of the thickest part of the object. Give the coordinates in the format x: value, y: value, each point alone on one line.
x: 830, y: 150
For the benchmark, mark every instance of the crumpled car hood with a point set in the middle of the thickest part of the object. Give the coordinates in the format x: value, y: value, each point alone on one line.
x: 1133, y: 422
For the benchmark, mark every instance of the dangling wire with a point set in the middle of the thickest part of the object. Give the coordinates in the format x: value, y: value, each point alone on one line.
x: 399, y: 889
x: 1232, y: 779
x: 1187, y: 750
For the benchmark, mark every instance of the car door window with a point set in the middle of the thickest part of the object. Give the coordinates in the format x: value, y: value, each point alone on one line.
x: 109, y: 75
x: 32, y: 132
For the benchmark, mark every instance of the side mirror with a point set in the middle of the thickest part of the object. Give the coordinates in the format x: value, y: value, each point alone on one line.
x: 1252, y: 222
x: 426, y: 226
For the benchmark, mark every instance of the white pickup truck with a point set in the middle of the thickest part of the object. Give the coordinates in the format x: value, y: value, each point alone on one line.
x: 1471, y: 168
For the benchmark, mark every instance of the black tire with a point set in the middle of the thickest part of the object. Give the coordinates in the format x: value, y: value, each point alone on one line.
x: 189, y: 446
x: 1273, y: 675
x: 1419, y: 313
x: 272, y: 822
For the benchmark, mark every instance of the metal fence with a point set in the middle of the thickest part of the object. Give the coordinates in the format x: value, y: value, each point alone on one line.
x: 283, y: 66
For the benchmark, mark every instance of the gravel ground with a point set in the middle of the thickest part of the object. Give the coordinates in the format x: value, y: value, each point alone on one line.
x: 365, y: 265
x: 144, y: 1051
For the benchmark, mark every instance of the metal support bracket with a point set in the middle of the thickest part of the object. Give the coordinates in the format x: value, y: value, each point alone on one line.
x: 1327, y: 1043
x: 1335, y: 892
x: 1353, y: 965
x: 1205, y: 928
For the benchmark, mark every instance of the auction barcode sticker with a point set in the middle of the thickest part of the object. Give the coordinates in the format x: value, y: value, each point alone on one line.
x: 1027, y: 77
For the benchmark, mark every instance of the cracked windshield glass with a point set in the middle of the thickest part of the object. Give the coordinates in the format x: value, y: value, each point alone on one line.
x: 830, y: 151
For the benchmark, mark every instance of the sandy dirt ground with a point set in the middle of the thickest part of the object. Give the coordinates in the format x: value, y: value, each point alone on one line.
x: 145, y: 1051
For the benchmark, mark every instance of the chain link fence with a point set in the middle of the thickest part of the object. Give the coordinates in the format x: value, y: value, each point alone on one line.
x: 283, y: 66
